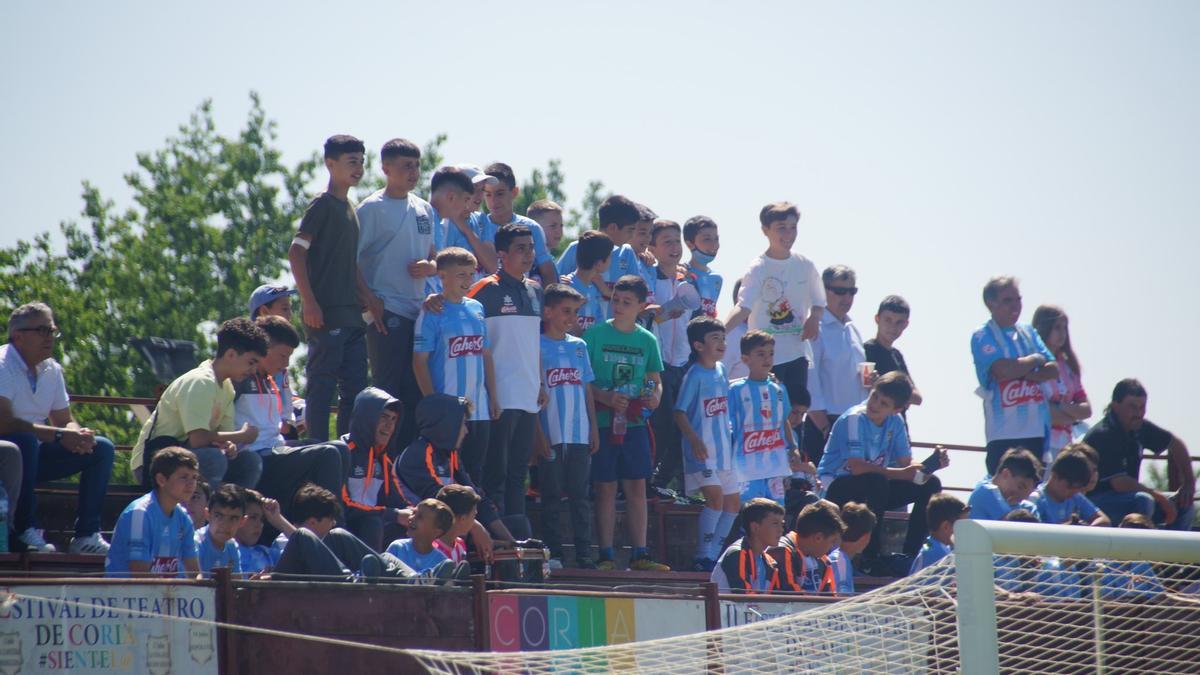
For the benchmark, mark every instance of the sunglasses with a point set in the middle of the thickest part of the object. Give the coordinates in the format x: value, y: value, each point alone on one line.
x: 44, y: 331
x: 842, y: 291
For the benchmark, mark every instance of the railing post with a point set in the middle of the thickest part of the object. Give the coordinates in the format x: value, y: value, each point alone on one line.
x: 226, y: 639
x: 479, y: 597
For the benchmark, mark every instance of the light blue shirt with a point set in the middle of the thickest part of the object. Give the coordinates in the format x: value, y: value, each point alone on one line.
x: 488, y: 229
x: 987, y: 503
x: 1059, y: 513
x: 834, y: 381
x: 420, y: 562
x: 931, y: 552
x: 884, y: 445
x: 144, y: 533
x: 392, y: 234
x: 210, y: 556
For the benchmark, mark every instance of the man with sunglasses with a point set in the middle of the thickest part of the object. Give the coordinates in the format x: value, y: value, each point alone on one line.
x: 835, y: 383
x: 35, y: 415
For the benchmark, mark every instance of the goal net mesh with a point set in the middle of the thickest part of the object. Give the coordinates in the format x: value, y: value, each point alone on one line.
x: 1054, y: 615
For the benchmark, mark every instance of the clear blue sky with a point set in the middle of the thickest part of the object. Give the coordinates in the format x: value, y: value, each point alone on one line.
x: 929, y: 145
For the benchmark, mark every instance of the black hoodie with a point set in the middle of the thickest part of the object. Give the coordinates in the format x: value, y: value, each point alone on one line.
x: 372, y: 485
x: 431, y: 460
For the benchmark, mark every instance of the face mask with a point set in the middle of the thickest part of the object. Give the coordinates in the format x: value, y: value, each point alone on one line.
x: 702, y: 257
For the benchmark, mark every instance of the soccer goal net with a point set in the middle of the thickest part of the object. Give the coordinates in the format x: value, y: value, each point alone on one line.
x: 1016, y: 598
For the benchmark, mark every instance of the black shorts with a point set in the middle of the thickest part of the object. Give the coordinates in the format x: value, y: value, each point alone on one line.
x: 793, y: 375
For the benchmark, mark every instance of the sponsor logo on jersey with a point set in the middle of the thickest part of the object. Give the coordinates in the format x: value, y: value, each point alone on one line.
x: 466, y: 345
x: 508, y: 307
x: 423, y: 224
x: 763, y: 440
x: 716, y: 406
x: 556, y: 377
x: 586, y: 322
x: 709, y: 307
x: 1019, y: 392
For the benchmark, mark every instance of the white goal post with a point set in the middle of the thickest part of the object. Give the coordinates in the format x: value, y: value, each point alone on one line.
x: 978, y: 545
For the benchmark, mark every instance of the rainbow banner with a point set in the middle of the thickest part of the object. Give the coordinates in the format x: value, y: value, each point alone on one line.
x: 541, y: 622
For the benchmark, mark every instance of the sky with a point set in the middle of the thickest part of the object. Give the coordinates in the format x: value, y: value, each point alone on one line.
x: 929, y: 145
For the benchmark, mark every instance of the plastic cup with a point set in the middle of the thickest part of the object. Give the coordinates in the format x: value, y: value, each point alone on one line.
x: 864, y: 371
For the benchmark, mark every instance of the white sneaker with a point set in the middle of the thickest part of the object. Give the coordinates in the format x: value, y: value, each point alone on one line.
x: 34, y: 542
x: 93, y: 544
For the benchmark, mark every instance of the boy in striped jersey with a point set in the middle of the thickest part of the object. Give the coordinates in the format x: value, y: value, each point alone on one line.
x: 569, y: 423
x: 452, y: 354
x: 700, y: 235
x: 764, y: 448
x: 702, y: 413
x: 594, y: 253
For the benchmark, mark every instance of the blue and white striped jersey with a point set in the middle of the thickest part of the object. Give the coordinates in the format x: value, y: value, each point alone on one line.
x: 759, y: 411
x: 708, y: 285
x: 210, y: 556
x: 566, y: 371
x: 455, y: 339
x: 145, y: 534
x: 594, y: 309
x: 1012, y: 408
x: 704, y: 398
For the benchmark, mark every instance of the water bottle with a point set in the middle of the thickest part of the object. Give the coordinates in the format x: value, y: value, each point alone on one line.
x: 3, y: 519
x: 619, y: 425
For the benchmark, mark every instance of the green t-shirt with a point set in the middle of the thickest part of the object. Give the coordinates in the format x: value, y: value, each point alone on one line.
x: 621, y: 359
x: 195, y: 400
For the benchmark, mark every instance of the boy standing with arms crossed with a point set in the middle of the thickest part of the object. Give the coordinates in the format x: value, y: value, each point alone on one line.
x: 782, y: 294
x: 395, y: 253
x: 626, y: 363
x: 569, y: 420
x: 324, y: 260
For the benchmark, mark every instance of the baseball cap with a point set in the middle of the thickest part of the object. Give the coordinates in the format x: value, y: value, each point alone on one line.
x: 476, y: 174
x: 266, y: 294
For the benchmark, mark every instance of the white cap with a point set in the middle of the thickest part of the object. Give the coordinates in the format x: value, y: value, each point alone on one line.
x: 476, y: 174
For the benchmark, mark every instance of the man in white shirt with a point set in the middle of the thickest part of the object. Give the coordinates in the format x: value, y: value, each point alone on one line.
x: 835, y: 383
x: 35, y: 415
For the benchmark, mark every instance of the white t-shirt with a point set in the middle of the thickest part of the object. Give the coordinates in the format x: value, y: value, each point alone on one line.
x: 779, y: 295
x: 31, y: 401
x: 392, y: 234
x: 672, y: 333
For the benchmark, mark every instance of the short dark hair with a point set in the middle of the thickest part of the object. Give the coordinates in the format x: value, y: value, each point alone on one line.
x: 593, y: 248
x: 279, y: 331
x: 895, y: 304
x: 251, y: 497
x: 943, y: 507
x: 203, y: 486
x: 991, y: 290
x: 399, y: 147
x: 693, y: 225
x: 1137, y: 521
x: 241, y: 335
x: 819, y: 518
x: 542, y: 207
x: 1021, y: 463
x: 455, y: 255
x: 755, y: 338
x: 168, y: 460
x: 859, y: 519
x: 1021, y: 516
x: 1072, y: 467
x: 699, y: 328
x: 896, y: 386
x: 556, y: 293
x: 662, y: 225
x: 838, y: 273
x: 632, y: 283
x: 509, y: 233
x: 314, y: 501
x: 451, y: 176
x: 341, y: 144
x: 777, y: 211
x: 1128, y: 387
x: 645, y: 214
x: 503, y: 173
x: 443, y: 517
x: 228, y: 496
x: 1089, y: 453
x: 461, y: 499
x: 758, y: 508
x: 618, y: 210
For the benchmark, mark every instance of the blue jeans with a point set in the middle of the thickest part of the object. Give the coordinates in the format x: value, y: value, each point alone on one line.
x: 43, y: 462
x: 1117, y: 505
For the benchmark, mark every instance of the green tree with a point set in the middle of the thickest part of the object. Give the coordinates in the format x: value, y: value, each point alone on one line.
x: 211, y: 219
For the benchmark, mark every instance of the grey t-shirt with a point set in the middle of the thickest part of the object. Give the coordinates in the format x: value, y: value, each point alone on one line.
x: 333, y: 259
x: 393, y: 234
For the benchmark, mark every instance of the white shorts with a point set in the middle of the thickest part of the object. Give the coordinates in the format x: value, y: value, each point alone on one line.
x: 726, y: 479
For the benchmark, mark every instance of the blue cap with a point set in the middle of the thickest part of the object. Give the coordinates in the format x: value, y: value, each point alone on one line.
x: 266, y: 294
